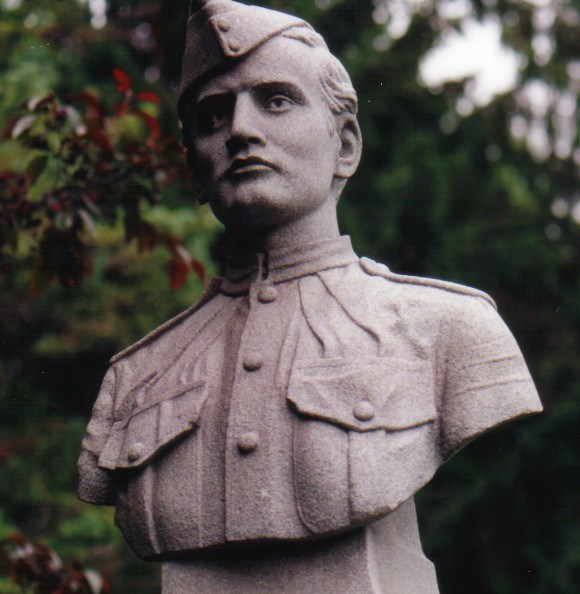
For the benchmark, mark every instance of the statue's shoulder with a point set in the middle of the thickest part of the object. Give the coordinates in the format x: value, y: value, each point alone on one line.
x: 166, y: 331
x: 430, y: 287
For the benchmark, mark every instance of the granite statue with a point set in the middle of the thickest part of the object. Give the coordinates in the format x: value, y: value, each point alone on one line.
x: 271, y: 438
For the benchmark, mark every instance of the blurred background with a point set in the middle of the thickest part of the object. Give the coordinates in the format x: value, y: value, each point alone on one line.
x: 468, y: 110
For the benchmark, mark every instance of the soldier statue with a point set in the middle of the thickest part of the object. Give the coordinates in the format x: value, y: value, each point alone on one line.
x: 271, y: 437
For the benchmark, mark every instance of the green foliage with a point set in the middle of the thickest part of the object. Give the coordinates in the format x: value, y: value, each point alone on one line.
x: 74, y: 167
x: 6, y: 527
x: 9, y: 587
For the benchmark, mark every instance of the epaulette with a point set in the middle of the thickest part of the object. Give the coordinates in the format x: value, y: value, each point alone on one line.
x: 376, y: 269
x: 209, y: 292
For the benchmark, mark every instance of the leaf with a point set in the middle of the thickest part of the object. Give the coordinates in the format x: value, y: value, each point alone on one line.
x: 182, y: 252
x: 89, y: 203
x: 101, y: 140
x: 22, y: 125
x: 123, y: 80
x: 148, y: 96
x: 73, y: 168
x: 63, y: 221
x: 54, y: 140
x: 35, y: 164
x: 120, y: 109
x: 75, y: 120
x: 36, y: 103
x: 199, y: 269
x: 90, y: 99
x: 49, y: 180
x: 181, y: 263
x: 88, y: 222
x: 150, y: 122
x: 178, y: 271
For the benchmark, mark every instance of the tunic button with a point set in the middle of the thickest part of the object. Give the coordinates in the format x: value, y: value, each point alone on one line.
x: 364, y: 411
x: 253, y: 361
x: 234, y: 46
x: 135, y: 451
x: 248, y: 442
x: 267, y: 294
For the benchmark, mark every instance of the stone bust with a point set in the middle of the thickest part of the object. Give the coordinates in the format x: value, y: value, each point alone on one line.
x: 271, y: 437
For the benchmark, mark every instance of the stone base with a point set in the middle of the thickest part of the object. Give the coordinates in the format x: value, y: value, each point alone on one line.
x: 383, y: 558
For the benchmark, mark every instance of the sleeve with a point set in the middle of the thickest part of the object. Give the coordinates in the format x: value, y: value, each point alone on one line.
x: 487, y: 381
x: 96, y: 485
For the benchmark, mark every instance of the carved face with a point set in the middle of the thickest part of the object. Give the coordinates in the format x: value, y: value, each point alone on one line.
x: 263, y: 143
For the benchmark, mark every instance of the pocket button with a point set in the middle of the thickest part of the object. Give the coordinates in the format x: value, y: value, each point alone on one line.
x: 267, y: 294
x: 135, y: 451
x: 364, y: 411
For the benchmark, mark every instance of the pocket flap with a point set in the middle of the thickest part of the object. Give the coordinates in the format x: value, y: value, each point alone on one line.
x: 365, y: 394
x: 153, y: 424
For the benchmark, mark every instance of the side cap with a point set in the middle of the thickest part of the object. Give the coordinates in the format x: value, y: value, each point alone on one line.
x: 223, y: 30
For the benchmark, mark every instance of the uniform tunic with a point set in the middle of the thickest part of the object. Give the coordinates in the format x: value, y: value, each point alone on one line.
x: 274, y: 434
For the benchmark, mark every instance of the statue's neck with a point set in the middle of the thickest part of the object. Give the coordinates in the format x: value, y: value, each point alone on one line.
x: 315, y: 226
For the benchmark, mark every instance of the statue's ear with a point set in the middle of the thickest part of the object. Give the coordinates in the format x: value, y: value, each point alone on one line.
x: 350, y: 137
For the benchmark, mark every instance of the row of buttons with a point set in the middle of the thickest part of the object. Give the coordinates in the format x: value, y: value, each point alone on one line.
x: 248, y: 442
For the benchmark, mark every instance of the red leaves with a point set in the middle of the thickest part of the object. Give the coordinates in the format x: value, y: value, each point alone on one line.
x: 127, y: 106
x: 83, y: 159
x: 199, y: 269
x: 123, y: 80
x: 40, y: 567
x: 148, y: 96
x: 178, y: 270
x: 147, y: 237
x: 150, y: 122
x: 125, y: 87
x: 181, y: 264
x: 101, y: 140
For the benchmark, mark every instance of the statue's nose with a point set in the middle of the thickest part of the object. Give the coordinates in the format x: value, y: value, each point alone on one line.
x: 245, y: 124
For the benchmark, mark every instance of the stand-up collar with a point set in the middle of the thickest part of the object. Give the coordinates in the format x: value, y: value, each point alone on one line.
x: 286, y: 264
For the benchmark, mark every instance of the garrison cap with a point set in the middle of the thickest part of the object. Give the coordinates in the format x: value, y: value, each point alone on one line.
x: 219, y: 31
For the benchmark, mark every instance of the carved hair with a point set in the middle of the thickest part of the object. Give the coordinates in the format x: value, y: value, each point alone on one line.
x: 337, y: 88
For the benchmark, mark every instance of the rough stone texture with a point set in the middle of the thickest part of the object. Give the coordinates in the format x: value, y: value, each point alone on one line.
x: 271, y: 437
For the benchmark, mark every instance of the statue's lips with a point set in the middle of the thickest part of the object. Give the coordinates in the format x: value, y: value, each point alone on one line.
x: 249, y: 165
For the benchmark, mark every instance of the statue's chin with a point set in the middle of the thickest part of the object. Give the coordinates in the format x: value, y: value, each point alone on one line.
x: 253, y: 207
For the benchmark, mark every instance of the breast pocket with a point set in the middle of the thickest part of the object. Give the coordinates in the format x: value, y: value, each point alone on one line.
x: 364, y: 437
x: 162, y: 418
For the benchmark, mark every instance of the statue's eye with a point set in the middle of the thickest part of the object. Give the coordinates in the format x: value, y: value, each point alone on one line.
x: 212, y: 113
x: 278, y: 103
